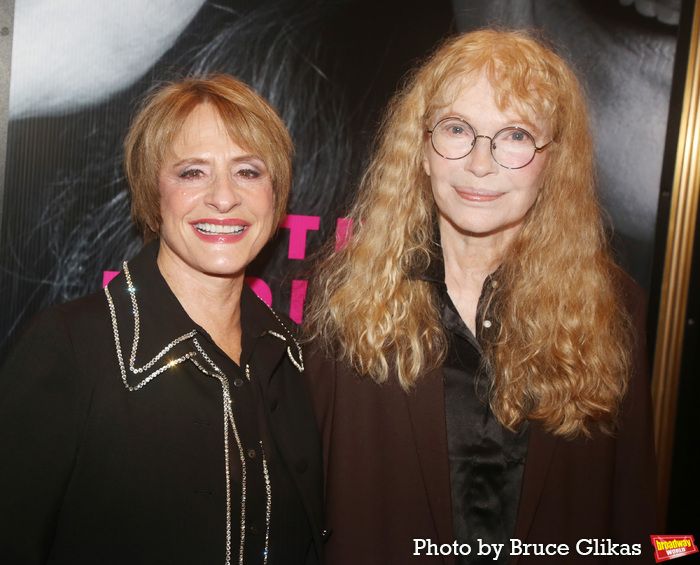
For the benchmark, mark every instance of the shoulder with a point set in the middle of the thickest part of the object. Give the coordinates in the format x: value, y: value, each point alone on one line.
x: 90, y: 308
x: 58, y: 342
x: 56, y: 361
x: 286, y: 323
x: 60, y: 323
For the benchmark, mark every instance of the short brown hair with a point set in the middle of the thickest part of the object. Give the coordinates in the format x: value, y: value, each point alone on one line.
x: 250, y: 120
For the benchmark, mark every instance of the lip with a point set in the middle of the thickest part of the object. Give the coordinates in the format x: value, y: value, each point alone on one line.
x: 224, y: 236
x: 476, y: 195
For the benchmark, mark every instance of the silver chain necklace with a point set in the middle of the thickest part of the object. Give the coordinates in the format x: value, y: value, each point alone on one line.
x: 218, y: 374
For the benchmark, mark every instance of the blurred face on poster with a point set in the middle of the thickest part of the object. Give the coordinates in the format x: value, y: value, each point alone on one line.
x: 76, y: 72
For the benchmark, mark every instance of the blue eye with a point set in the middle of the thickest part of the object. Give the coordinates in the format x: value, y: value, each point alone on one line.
x: 514, y: 136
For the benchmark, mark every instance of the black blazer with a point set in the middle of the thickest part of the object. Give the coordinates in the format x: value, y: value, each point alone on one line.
x: 92, y: 472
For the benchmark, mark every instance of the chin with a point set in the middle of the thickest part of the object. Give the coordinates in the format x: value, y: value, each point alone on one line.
x: 217, y: 266
x: 226, y: 270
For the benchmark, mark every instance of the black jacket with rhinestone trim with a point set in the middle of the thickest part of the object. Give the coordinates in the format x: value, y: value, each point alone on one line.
x: 93, y: 472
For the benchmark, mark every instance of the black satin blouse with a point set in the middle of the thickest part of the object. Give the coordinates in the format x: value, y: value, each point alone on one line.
x: 486, y: 459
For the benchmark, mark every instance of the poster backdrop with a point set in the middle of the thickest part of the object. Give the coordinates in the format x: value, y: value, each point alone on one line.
x: 79, y: 70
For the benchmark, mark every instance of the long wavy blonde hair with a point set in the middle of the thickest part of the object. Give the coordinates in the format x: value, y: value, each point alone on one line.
x: 562, y: 353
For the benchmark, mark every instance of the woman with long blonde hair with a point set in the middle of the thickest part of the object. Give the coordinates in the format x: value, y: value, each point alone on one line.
x: 482, y: 374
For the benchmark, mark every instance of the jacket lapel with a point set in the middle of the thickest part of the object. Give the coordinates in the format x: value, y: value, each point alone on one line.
x: 540, y: 450
x: 264, y: 336
x: 165, y: 324
x: 426, y: 408
x: 154, y: 331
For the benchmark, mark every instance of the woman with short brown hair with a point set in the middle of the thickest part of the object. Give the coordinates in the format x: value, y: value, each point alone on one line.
x: 164, y: 419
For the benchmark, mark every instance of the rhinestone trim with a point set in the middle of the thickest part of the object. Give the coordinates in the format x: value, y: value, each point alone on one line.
x: 298, y: 364
x: 218, y: 374
x: 268, y: 509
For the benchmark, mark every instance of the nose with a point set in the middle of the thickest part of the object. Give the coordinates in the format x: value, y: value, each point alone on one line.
x: 223, y: 194
x: 480, y: 159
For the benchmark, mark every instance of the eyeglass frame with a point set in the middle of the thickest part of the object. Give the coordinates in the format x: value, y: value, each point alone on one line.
x: 490, y: 138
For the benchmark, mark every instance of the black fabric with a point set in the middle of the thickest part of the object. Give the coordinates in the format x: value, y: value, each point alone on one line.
x: 290, y: 532
x: 486, y: 459
x: 93, y: 472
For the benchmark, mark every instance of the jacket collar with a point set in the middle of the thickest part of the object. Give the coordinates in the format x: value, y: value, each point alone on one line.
x: 153, y: 325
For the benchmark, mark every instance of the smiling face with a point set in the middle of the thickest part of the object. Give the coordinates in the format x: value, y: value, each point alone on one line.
x: 475, y: 196
x: 216, y: 201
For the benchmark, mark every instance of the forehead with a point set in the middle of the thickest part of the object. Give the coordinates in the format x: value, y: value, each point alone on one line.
x: 203, y: 124
x: 474, y: 98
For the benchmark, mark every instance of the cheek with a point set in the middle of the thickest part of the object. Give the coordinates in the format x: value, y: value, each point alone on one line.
x: 531, y: 177
x: 532, y: 199
x: 262, y: 204
x: 441, y: 197
x: 168, y: 207
x: 531, y: 191
x: 175, y: 201
x: 441, y: 176
x: 537, y: 167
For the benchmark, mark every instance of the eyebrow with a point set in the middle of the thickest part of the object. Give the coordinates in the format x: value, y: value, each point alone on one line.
x: 530, y: 127
x: 236, y: 160
x: 512, y: 121
x: 190, y: 161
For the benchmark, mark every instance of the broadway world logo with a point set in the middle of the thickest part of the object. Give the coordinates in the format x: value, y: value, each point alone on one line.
x: 670, y: 547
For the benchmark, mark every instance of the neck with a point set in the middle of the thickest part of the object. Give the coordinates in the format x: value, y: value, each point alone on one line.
x: 469, y: 259
x: 474, y: 257
x: 212, y: 302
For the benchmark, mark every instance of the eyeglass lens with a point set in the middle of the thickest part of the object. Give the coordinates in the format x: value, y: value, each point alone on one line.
x: 512, y: 147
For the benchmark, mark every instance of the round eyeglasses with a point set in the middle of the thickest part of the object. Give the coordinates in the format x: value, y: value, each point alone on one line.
x: 512, y: 147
